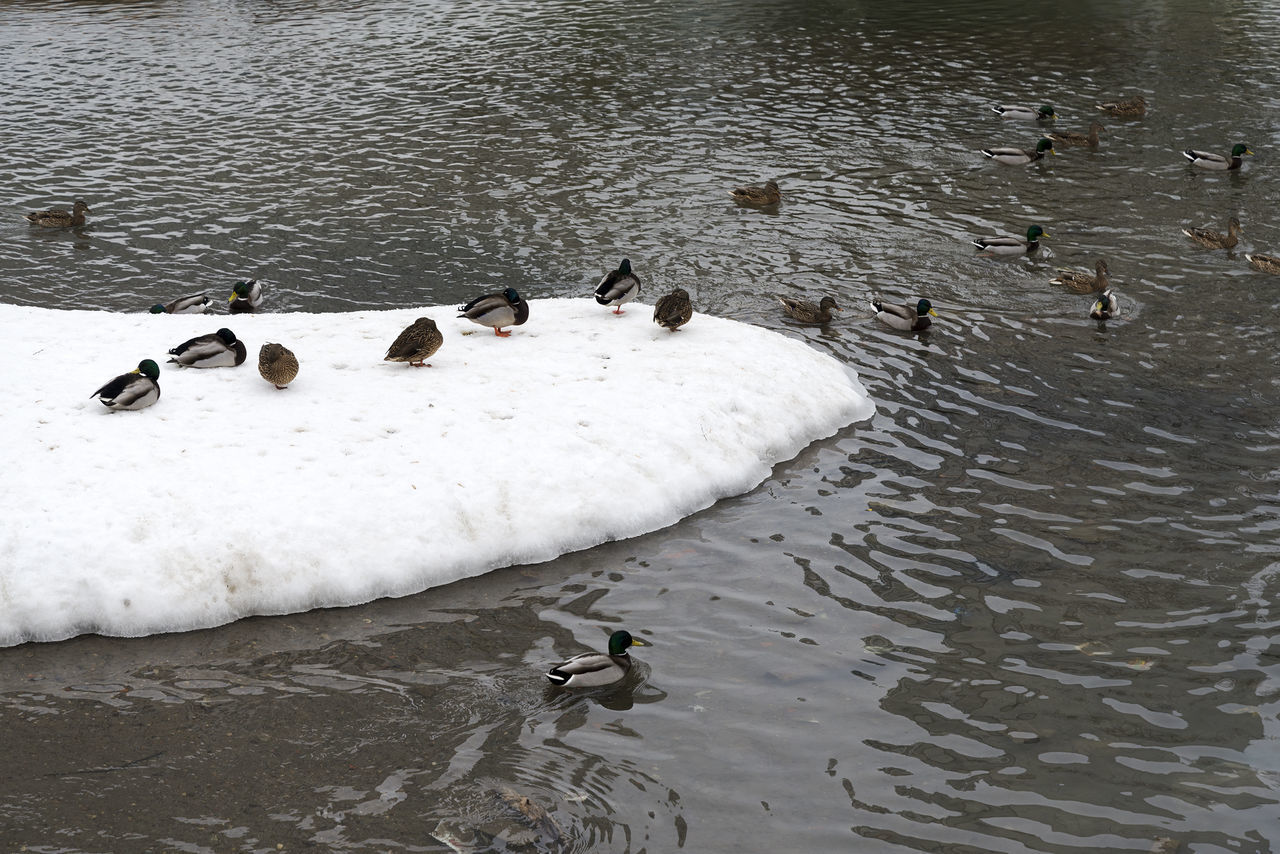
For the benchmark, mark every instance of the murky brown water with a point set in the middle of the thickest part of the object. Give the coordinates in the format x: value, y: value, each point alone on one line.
x: 1026, y: 607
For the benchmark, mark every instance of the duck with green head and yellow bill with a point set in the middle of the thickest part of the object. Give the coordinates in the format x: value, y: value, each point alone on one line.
x: 1006, y: 245
x: 59, y: 218
x: 618, y: 287
x: 135, y: 390
x: 1105, y: 307
x: 594, y: 669
x: 193, y: 304
x: 245, y: 297
x: 1210, y: 239
x: 219, y: 349
x: 497, y: 311
x: 1013, y: 111
x: 1218, y: 162
x: 1020, y: 156
x: 905, y: 318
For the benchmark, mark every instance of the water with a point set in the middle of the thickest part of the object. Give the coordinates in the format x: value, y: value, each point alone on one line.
x: 1026, y: 607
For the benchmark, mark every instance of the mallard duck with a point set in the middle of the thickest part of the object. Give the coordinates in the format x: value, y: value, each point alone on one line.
x: 59, y: 218
x: 807, y: 312
x: 1105, y: 307
x: 1011, y: 245
x: 137, y: 389
x: 769, y: 194
x: 674, y: 310
x: 1067, y: 137
x: 1084, y: 283
x: 194, y: 304
x: 220, y: 349
x: 1134, y: 106
x: 593, y: 669
x: 277, y: 364
x: 1215, y: 239
x: 904, y: 317
x: 497, y: 310
x: 245, y: 297
x: 1209, y: 160
x: 1264, y: 263
x: 1020, y: 156
x: 417, y: 343
x: 1018, y: 112
x: 618, y: 287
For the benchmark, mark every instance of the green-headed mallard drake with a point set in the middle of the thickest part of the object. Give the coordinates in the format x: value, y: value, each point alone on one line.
x: 1211, y: 239
x: 618, y: 287
x: 194, y: 304
x: 1011, y: 245
x: 807, y: 312
x: 1007, y: 111
x: 1105, y: 307
x: 1209, y: 160
x: 277, y: 364
x: 1067, y: 137
x: 497, y: 310
x: 1020, y: 156
x: 245, y: 297
x: 418, y: 342
x: 220, y: 349
x: 769, y: 194
x: 137, y: 389
x: 673, y: 310
x: 593, y: 669
x: 1084, y: 283
x: 908, y: 318
x: 1264, y: 263
x: 59, y: 218
x: 1135, y: 106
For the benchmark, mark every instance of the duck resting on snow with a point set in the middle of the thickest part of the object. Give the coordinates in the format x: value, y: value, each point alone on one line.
x: 277, y: 364
x: 220, y: 349
x: 193, y: 304
x: 418, y: 342
x: 618, y: 287
x: 673, y: 310
x: 497, y: 310
x: 137, y: 389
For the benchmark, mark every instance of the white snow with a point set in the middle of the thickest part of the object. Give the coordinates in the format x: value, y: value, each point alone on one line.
x: 366, y: 478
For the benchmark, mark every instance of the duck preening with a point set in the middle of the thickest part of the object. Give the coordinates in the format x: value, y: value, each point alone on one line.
x: 1044, y: 111
x: 1105, y: 307
x: 277, y: 364
x: 673, y: 310
x: 245, y: 297
x: 1020, y: 156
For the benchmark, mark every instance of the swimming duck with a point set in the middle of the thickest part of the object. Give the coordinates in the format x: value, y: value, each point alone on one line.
x: 1264, y: 263
x: 1209, y: 160
x: 59, y: 218
x: 1020, y: 156
x: 593, y: 669
x: 1135, y: 106
x: 1083, y: 283
x: 1018, y: 112
x: 1105, y: 306
x: 277, y: 364
x: 137, y: 389
x: 497, y: 310
x: 673, y: 310
x: 1011, y: 245
x: 245, y: 297
x: 904, y: 317
x: 194, y: 304
x: 618, y: 287
x: 417, y: 343
x: 1215, y: 239
x: 1067, y: 137
x: 807, y: 312
x: 220, y: 349
x: 769, y: 194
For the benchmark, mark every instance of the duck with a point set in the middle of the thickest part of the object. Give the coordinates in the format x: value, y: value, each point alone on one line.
x: 1209, y: 160
x: 418, y: 342
x: 1067, y: 137
x: 1135, y: 106
x: 673, y: 310
x: 1215, y: 239
x: 1264, y: 263
x: 618, y: 287
x: 1044, y: 111
x: 245, y: 297
x: 135, y: 390
x: 769, y: 194
x: 1011, y: 245
x: 59, y: 218
x: 904, y: 317
x: 277, y: 364
x: 220, y: 349
x: 807, y: 312
x: 193, y: 304
x: 1020, y: 156
x: 497, y: 310
x: 593, y: 669
x: 1105, y: 307
x: 1084, y: 283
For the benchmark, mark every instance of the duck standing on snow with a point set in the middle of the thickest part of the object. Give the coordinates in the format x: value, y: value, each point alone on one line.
x: 593, y: 669
x: 137, y: 389
x: 769, y: 194
x: 618, y: 287
x: 906, y: 318
x: 1264, y: 263
x: 59, y: 218
x: 1125, y: 107
x: 497, y: 310
x: 219, y: 350
x: 1044, y: 111
x: 277, y: 364
x: 1105, y: 307
x: 807, y: 312
x: 1083, y: 283
x: 194, y: 304
x: 1020, y: 156
x: 245, y: 297
x: 673, y: 310
x: 1011, y: 245
x: 1211, y: 239
x: 417, y: 343
x: 1209, y: 160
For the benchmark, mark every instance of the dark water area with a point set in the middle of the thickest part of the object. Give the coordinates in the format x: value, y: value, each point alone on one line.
x: 1025, y: 607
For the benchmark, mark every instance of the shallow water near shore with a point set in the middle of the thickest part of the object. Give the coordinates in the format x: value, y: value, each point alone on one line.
x: 1026, y: 607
